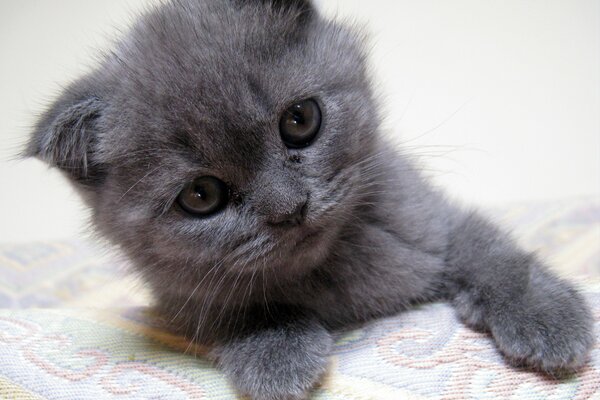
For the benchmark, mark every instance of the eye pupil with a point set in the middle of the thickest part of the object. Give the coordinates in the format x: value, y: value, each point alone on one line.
x: 200, y: 192
x: 204, y: 196
x: 300, y: 124
x: 298, y: 119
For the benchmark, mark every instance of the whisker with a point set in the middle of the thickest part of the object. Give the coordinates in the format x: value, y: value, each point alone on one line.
x: 137, y: 183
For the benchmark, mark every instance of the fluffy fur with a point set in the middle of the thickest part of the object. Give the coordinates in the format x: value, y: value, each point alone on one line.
x: 197, y: 88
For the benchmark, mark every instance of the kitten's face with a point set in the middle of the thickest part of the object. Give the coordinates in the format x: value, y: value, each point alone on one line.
x: 198, y: 167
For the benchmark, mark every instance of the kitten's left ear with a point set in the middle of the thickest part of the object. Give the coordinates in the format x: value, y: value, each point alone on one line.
x: 67, y: 134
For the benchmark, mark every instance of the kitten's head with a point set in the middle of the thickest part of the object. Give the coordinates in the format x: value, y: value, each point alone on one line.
x: 219, y: 132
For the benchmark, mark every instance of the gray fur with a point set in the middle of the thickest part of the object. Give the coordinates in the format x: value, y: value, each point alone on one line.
x: 197, y: 88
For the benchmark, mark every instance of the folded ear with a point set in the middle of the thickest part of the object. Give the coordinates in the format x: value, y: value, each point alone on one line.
x: 66, y: 137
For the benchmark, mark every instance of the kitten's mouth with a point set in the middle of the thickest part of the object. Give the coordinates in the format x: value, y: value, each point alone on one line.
x: 301, y: 249
x: 308, y: 237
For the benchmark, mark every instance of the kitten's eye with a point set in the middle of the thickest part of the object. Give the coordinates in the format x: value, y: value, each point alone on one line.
x: 300, y: 124
x: 204, y: 196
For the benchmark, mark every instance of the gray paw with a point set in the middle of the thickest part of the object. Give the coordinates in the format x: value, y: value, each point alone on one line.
x: 277, y: 364
x: 553, y: 335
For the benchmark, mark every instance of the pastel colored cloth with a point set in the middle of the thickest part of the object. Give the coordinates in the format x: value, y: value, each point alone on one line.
x: 424, y: 353
x: 72, y: 327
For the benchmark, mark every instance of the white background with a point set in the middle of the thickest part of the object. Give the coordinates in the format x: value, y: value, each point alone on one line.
x: 501, y: 98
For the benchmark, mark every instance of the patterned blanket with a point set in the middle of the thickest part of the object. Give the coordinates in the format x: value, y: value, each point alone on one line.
x: 111, y: 347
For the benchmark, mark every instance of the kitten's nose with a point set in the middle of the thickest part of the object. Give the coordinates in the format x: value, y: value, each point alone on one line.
x: 280, y: 197
x: 295, y: 215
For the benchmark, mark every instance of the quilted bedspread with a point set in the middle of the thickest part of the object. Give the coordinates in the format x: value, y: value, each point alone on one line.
x: 73, y: 325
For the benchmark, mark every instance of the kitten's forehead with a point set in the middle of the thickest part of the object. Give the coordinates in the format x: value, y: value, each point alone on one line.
x: 212, y: 75
x: 211, y: 43
x: 209, y: 63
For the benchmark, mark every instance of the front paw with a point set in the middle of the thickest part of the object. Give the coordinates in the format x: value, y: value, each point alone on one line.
x: 282, y: 363
x: 551, y: 332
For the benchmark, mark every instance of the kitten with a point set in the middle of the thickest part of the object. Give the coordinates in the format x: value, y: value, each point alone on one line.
x: 232, y: 149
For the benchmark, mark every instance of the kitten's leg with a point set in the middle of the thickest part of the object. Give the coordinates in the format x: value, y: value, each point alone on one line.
x: 536, y: 318
x: 279, y: 361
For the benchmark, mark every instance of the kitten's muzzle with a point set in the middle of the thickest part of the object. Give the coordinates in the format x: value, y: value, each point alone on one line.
x: 295, y: 216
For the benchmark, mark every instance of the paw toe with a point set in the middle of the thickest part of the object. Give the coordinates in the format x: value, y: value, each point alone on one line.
x: 555, y: 350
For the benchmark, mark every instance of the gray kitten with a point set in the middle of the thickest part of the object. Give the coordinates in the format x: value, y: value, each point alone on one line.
x: 232, y: 149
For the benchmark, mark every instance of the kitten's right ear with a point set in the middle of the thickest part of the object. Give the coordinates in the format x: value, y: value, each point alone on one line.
x: 66, y: 136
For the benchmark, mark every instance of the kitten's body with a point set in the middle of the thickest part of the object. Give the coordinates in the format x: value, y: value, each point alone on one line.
x: 197, y: 89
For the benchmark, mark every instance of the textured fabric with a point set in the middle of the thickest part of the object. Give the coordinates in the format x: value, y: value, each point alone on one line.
x: 564, y: 233
x: 424, y: 353
x: 110, y: 347
x: 68, y: 273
